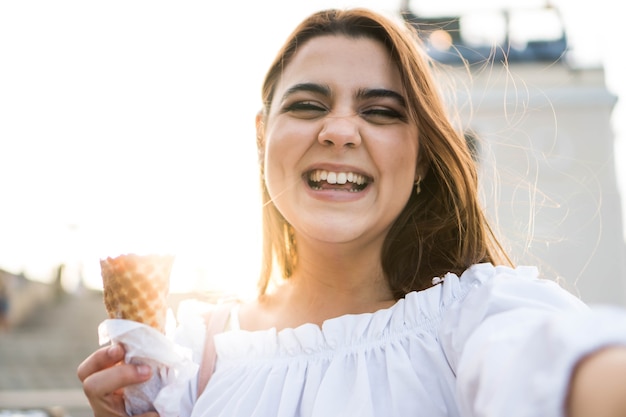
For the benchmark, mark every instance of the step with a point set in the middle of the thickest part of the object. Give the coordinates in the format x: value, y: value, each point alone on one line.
x: 67, y: 398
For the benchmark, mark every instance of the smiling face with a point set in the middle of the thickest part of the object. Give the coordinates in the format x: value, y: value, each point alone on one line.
x: 340, y: 151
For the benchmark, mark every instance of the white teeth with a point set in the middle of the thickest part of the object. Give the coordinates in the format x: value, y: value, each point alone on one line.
x: 336, y: 177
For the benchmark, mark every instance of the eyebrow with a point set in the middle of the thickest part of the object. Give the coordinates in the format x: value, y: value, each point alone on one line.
x: 364, y: 93
x: 309, y: 87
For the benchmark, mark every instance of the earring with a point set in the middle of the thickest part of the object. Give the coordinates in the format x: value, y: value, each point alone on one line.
x: 418, y: 187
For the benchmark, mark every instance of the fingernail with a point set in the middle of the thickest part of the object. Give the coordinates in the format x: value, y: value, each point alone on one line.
x: 143, y: 370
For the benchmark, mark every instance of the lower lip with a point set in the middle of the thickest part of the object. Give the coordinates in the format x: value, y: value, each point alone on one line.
x: 334, y: 195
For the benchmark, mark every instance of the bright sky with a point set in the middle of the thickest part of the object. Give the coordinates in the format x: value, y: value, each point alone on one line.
x: 128, y: 126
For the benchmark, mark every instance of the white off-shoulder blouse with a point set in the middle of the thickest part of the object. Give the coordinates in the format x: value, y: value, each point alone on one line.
x: 494, y: 342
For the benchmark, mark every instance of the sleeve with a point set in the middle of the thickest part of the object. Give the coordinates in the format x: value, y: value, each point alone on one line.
x: 190, y: 333
x: 514, y: 340
x: 197, y: 321
x: 188, y: 399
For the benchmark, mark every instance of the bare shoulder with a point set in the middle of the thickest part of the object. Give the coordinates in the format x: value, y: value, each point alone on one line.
x: 256, y: 314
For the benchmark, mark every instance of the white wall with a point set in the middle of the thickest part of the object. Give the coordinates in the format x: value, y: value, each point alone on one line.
x: 548, y: 172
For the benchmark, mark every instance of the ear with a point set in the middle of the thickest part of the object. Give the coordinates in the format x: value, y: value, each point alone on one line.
x: 260, y: 135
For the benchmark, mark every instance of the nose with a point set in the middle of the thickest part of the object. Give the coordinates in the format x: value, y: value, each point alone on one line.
x: 340, y: 131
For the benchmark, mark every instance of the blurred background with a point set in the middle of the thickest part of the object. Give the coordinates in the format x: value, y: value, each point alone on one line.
x: 128, y: 126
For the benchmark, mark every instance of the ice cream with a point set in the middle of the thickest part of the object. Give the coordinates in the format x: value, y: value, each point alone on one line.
x: 136, y: 288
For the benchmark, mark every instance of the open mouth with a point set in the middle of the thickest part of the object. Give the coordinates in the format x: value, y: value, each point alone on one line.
x: 320, y: 179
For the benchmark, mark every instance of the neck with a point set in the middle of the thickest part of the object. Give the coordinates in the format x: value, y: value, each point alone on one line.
x: 331, y: 281
x: 341, y: 267
x: 321, y: 299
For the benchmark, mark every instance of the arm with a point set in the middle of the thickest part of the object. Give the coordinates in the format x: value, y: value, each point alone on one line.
x: 598, y: 385
x: 104, y: 376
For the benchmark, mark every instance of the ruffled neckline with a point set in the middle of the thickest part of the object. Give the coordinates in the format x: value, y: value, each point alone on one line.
x: 419, y: 312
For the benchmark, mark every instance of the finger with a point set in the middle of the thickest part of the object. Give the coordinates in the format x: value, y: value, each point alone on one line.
x: 112, y: 380
x: 115, y: 409
x: 101, y: 359
x: 108, y: 407
x: 104, y: 389
x: 113, y: 406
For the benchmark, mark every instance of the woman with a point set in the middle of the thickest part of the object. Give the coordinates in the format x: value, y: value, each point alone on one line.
x: 395, y: 297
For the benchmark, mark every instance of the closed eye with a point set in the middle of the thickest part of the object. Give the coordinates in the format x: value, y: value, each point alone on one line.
x: 305, y: 109
x: 383, y: 115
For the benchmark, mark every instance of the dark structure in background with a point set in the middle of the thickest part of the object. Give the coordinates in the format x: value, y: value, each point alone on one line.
x: 447, y: 41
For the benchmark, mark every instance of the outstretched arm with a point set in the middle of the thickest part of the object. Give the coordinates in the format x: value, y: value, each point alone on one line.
x: 598, y: 385
x: 523, y: 346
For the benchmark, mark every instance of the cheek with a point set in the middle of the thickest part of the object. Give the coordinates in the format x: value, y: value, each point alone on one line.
x: 405, y: 164
x: 287, y: 142
x: 270, y: 168
x: 280, y: 156
x: 403, y: 160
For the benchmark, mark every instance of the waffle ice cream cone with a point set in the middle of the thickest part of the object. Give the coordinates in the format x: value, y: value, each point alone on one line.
x: 136, y: 288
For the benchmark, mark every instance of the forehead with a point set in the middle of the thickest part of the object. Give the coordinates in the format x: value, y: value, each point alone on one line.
x: 342, y: 62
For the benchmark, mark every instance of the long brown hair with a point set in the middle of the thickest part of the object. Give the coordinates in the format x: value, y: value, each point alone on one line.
x: 443, y: 229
